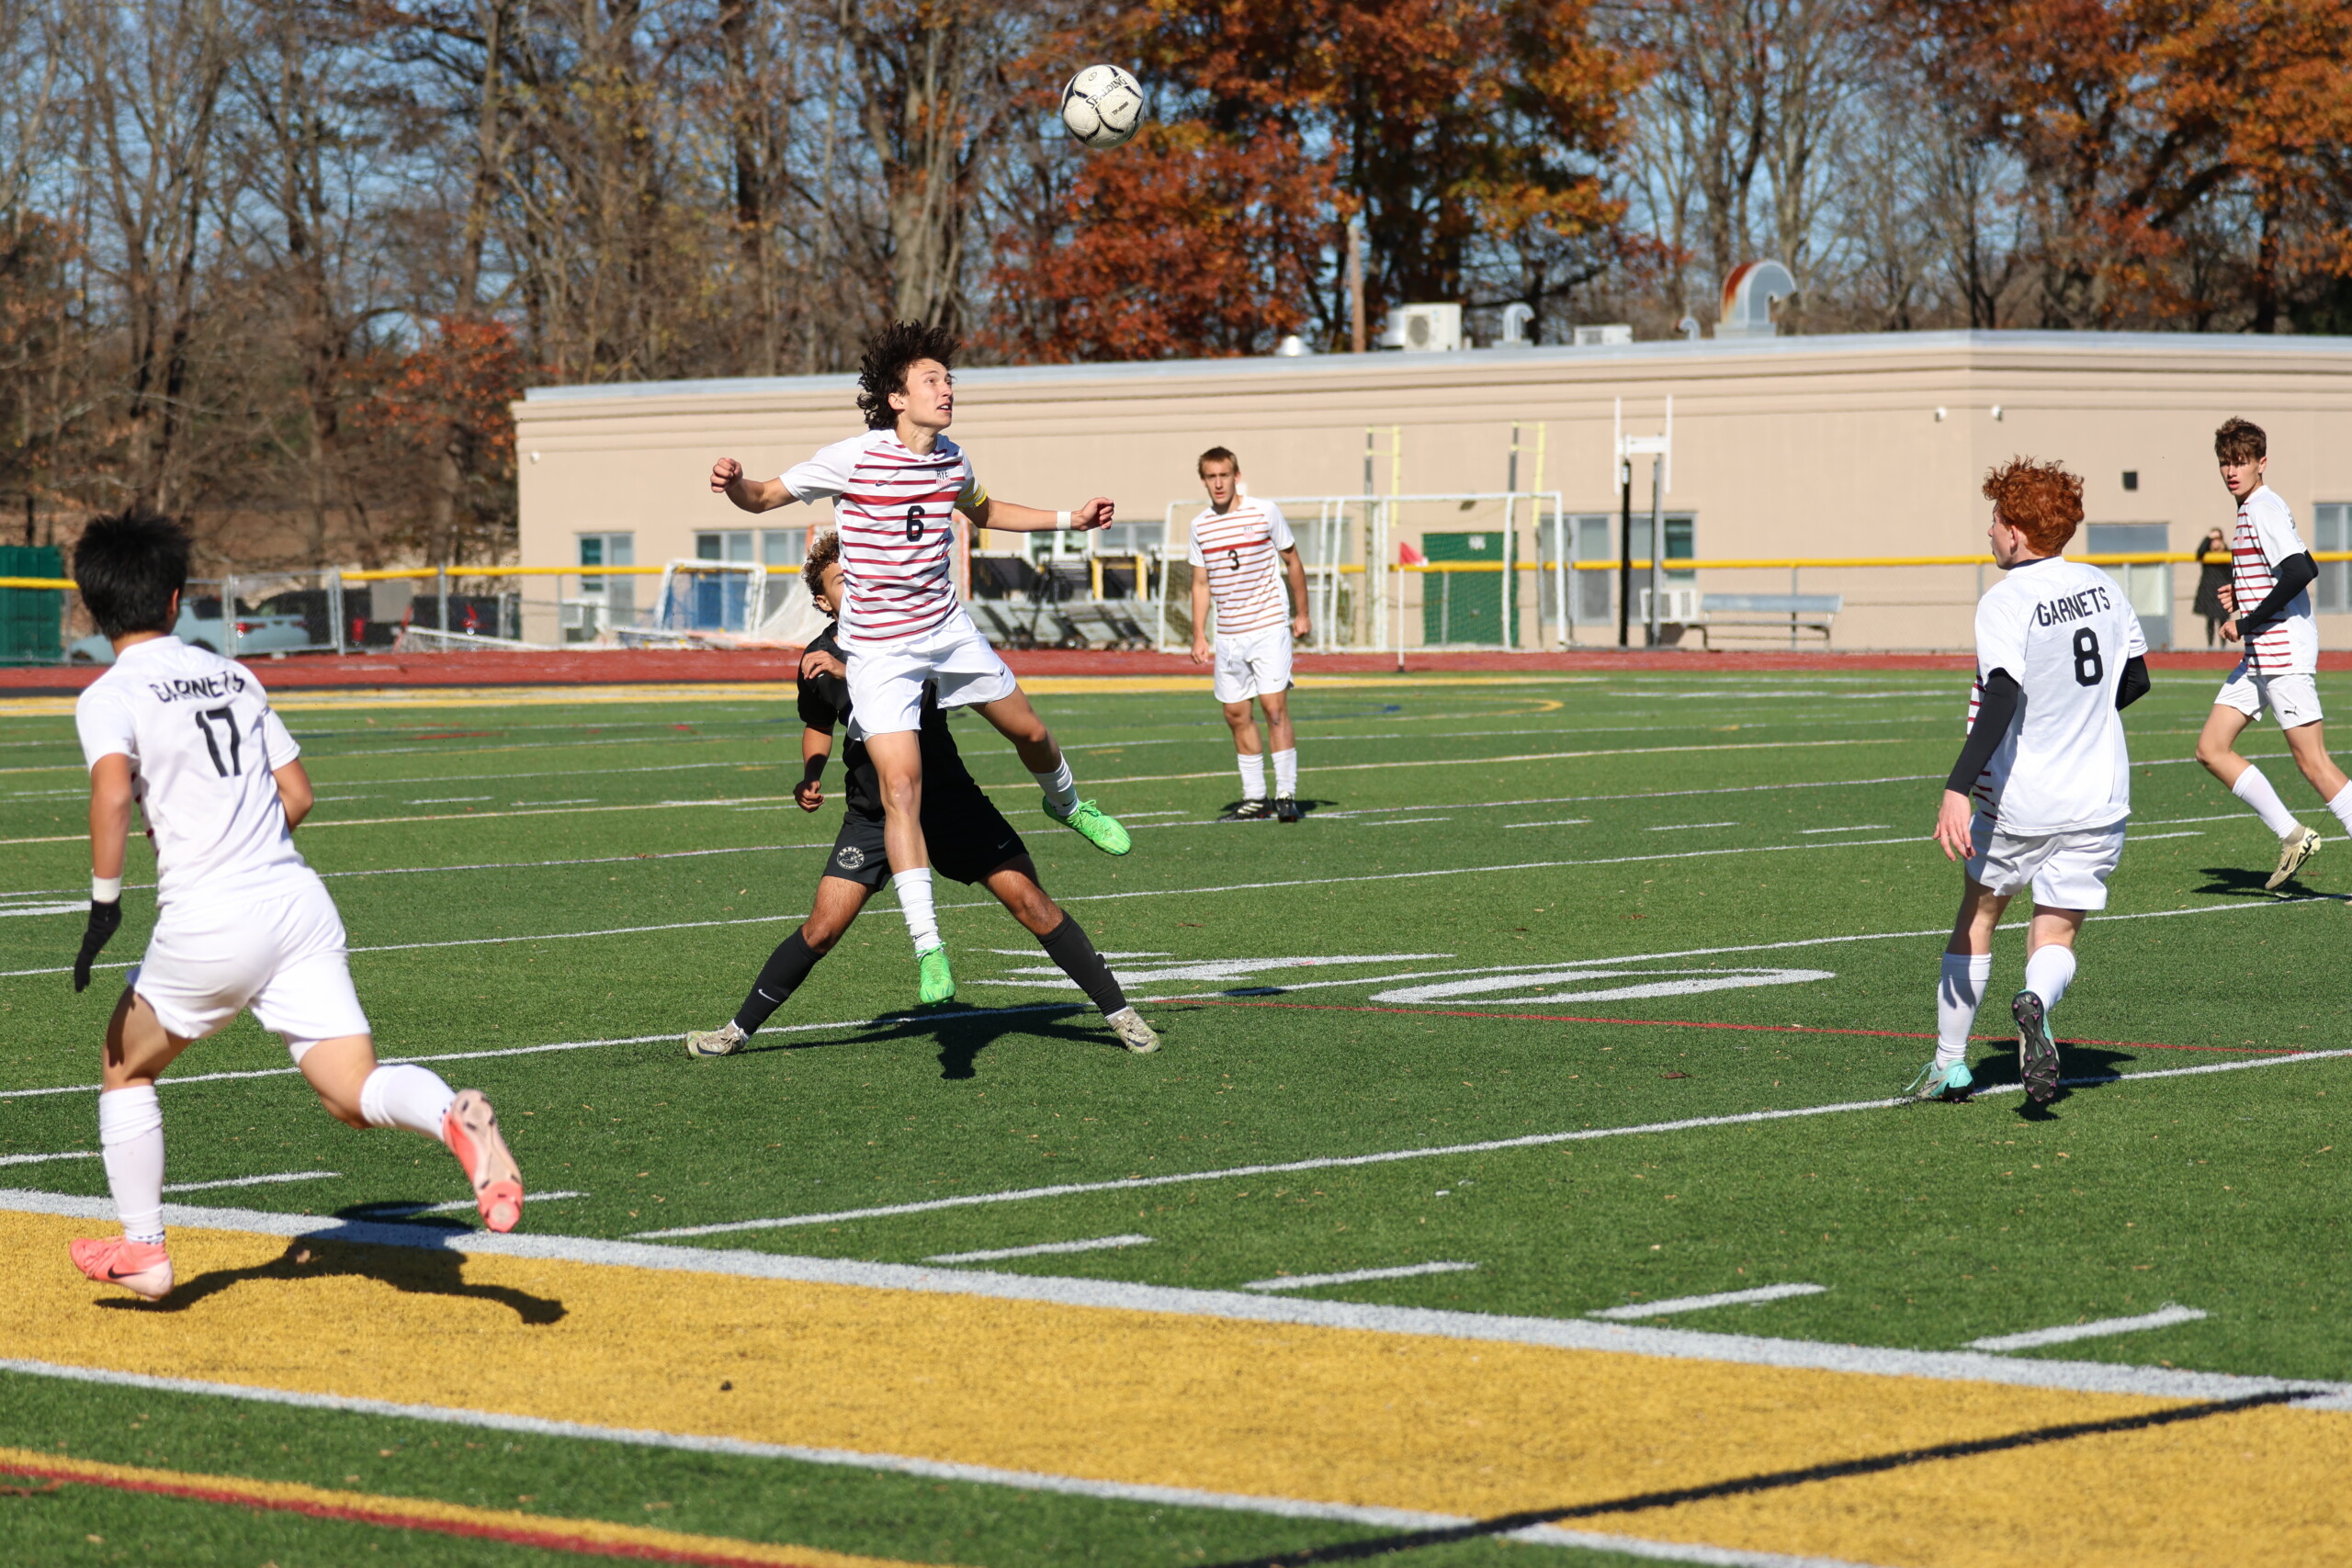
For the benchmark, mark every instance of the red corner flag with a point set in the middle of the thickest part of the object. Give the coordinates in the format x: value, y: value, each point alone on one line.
x: 1408, y: 555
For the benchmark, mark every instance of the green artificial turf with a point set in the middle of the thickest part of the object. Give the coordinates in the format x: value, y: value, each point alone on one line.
x: 1637, y: 826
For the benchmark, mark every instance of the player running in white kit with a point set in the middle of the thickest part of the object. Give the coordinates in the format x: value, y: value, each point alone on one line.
x: 2270, y: 603
x: 2042, y: 788
x: 897, y: 490
x: 1244, y: 558
x: 241, y: 920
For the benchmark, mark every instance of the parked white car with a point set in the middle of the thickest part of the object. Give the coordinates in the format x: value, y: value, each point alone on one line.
x: 202, y: 624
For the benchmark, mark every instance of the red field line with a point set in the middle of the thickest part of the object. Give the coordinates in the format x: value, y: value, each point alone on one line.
x: 1691, y: 1023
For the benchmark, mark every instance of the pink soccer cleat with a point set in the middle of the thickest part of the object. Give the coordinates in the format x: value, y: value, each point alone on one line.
x: 143, y: 1268
x: 471, y: 1129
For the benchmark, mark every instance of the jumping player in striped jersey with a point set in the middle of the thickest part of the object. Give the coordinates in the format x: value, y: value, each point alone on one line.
x: 896, y: 490
x: 1245, y: 560
x: 2270, y: 603
x: 2043, y: 786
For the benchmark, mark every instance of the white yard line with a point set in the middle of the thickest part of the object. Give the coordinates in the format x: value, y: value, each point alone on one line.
x: 930, y: 1470
x: 43, y: 1159
x: 1555, y: 822
x: 1355, y: 1276
x: 1857, y: 827
x: 2162, y: 1317
x: 1673, y: 1304
x: 1571, y: 1334
x: 256, y: 1180
x: 1678, y: 826
x: 1042, y: 1249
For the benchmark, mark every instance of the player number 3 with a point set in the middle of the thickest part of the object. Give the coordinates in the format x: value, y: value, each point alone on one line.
x: 2089, y: 669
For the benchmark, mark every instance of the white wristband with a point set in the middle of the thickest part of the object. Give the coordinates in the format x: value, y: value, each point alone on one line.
x: 105, y: 889
x: 1061, y: 519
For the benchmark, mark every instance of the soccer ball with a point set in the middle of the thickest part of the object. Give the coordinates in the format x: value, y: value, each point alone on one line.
x: 1103, y: 105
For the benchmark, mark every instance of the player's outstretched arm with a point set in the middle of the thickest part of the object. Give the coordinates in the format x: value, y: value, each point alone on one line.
x: 294, y: 793
x: 1015, y: 518
x: 110, y: 801
x: 752, y: 495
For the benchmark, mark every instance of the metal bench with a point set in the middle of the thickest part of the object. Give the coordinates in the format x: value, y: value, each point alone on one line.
x: 1768, y: 616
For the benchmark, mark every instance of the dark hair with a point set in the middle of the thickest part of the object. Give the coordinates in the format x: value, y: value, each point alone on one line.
x: 824, y: 549
x: 128, y: 566
x: 2239, y: 441
x: 1217, y: 454
x: 882, y: 368
x: 2042, y: 501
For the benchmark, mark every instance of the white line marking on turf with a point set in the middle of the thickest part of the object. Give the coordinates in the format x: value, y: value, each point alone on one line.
x: 2162, y: 1317
x: 1532, y: 1140
x: 458, y: 799
x: 37, y: 1160
x: 1400, y: 821
x: 1098, y: 1244
x: 1556, y: 822
x: 457, y: 1203
x: 1857, y: 827
x: 256, y: 1180
x: 1354, y: 1276
x: 2144, y: 838
x: 1678, y: 826
x: 933, y: 1470
x: 1569, y: 1334
x: 1673, y: 1304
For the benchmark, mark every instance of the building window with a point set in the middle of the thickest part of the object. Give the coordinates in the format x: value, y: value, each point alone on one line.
x: 732, y: 546
x: 1130, y: 538
x: 2332, y: 530
x: 604, y: 601
x: 783, y: 549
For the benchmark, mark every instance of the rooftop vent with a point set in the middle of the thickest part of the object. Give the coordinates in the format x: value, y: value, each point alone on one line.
x: 1748, y: 294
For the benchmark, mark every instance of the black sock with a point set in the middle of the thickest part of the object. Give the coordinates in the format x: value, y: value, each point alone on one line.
x: 779, y: 977
x: 1068, y: 946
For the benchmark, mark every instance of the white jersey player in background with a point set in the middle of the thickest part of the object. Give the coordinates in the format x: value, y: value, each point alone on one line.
x: 241, y: 920
x: 2270, y: 602
x: 2043, y: 787
x: 896, y: 491
x: 1245, y: 561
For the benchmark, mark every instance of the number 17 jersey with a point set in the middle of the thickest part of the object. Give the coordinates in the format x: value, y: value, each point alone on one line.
x: 2063, y: 632
x: 203, y: 744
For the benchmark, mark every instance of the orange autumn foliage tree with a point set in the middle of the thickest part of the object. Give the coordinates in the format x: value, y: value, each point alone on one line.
x: 446, y: 403
x: 1466, y: 136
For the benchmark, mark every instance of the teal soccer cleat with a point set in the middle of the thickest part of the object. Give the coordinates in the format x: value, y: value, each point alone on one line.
x: 1953, y: 1082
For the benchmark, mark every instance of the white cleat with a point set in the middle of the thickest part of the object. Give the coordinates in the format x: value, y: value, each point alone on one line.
x: 2293, y: 851
x: 1137, y: 1035
x: 724, y: 1041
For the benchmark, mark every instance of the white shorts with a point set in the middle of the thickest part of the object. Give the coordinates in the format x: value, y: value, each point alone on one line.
x: 2067, y: 871
x: 886, y: 681
x: 279, y: 952
x: 1253, y: 664
x: 2294, y: 700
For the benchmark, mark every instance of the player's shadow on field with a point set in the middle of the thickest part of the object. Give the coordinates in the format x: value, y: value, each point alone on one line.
x: 1307, y: 807
x: 2237, y: 882
x: 2079, y: 1067
x: 415, y: 1270
x: 962, y: 1035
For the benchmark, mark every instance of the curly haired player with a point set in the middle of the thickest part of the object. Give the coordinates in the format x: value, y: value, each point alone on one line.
x: 2043, y: 787
x: 896, y: 490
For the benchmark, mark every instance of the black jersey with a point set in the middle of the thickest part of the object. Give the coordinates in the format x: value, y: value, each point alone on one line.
x: 824, y: 702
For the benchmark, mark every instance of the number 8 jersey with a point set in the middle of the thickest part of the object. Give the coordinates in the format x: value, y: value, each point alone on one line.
x: 2063, y: 632
x: 895, y: 513
x: 203, y: 744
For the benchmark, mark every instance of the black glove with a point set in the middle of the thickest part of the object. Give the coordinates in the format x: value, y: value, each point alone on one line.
x: 106, y: 918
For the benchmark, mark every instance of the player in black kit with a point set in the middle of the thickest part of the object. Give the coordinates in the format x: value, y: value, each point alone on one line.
x: 970, y: 842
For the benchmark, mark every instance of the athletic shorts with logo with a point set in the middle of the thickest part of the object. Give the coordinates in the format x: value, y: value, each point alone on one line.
x: 886, y: 681
x: 2294, y: 700
x: 1253, y: 664
x: 966, y: 835
x: 2067, y: 871
x: 280, y: 951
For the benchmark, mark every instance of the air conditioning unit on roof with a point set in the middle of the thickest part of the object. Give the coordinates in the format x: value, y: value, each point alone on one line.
x: 1596, y: 337
x: 1423, y: 329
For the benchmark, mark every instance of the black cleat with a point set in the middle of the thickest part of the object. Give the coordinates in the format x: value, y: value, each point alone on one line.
x: 1286, y: 810
x: 1249, y: 811
x: 2037, y: 1053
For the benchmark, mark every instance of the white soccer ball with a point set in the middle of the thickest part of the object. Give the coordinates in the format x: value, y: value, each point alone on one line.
x: 1102, y: 107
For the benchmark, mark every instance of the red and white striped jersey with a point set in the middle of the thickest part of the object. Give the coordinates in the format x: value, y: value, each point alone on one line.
x: 2266, y: 535
x: 895, y: 512
x: 1240, y: 550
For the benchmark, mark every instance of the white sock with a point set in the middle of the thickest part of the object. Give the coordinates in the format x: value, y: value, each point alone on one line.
x: 1061, y: 790
x: 406, y: 1096
x: 1253, y: 773
x: 1960, y: 988
x: 914, y: 902
x: 1286, y: 774
x: 130, y: 1131
x: 2342, y: 806
x: 2048, y: 972
x: 2256, y: 791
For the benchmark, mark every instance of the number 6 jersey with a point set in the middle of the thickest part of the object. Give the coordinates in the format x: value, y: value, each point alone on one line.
x: 895, y: 513
x: 2063, y: 632
x: 203, y: 744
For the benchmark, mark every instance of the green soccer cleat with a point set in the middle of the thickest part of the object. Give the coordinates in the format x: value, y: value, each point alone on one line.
x: 1954, y: 1082
x: 938, y: 981
x: 1104, y: 832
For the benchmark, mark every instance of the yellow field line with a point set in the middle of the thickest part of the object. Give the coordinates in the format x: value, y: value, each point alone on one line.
x: 593, y: 1538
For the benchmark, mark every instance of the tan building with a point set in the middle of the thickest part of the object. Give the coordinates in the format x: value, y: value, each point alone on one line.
x: 1804, y: 447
